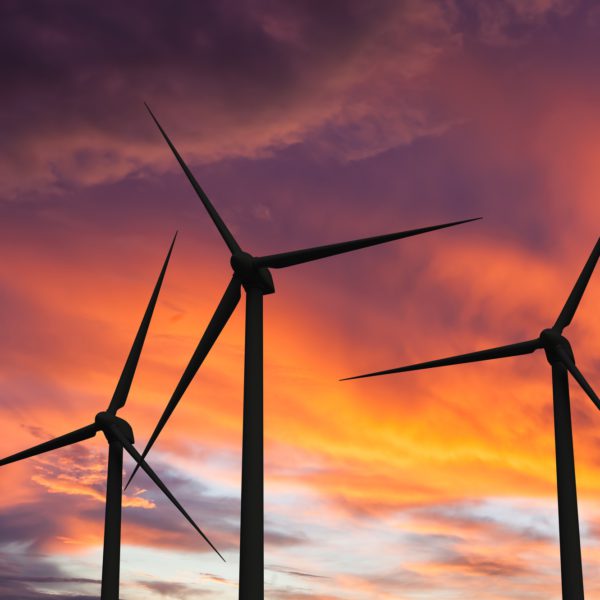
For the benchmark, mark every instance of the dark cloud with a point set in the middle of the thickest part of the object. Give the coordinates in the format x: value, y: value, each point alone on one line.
x: 295, y: 573
x: 56, y: 580
x: 18, y: 578
x: 280, y: 538
x: 502, y: 23
x: 29, y: 525
x: 289, y: 593
x: 171, y: 589
x: 470, y: 517
x: 482, y: 566
x: 18, y: 592
x: 243, y: 76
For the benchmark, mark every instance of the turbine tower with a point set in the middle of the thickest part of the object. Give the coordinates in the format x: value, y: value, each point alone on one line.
x: 119, y: 436
x: 560, y: 356
x: 252, y: 273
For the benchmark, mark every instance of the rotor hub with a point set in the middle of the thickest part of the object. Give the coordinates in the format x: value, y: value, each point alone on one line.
x: 106, y: 421
x: 251, y: 275
x: 552, y: 340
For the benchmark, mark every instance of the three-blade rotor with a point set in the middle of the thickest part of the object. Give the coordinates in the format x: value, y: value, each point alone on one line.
x: 252, y: 271
x: 108, y: 422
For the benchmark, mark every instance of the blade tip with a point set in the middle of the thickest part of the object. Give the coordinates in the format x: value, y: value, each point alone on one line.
x: 152, y: 115
x: 469, y: 220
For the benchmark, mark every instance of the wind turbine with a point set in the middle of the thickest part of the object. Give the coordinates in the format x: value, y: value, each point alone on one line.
x: 119, y: 436
x: 252, y: 273
x: 560, y: 356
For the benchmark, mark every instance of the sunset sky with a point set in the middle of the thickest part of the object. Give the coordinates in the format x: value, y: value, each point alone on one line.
x: 307, y: 122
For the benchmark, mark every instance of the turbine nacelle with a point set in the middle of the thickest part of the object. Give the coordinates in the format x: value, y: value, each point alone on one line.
x: 250, y: 274
x: 553, y: 342
x: 107, y: 422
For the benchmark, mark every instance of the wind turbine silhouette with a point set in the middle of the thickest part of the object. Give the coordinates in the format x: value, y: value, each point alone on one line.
x: 252, y: 273
x: 119, y: 436
x: 562, y: 361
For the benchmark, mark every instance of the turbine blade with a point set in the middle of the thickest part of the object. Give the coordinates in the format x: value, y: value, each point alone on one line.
x: 288, y: 259
x: 492, y: 353
x: 229, y: 301
x: 568, y: 311
x: 78, y: 435
x: 165, y: 490
x: 122, y: 390
x: 214, y: 215
x: 578, y: 376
